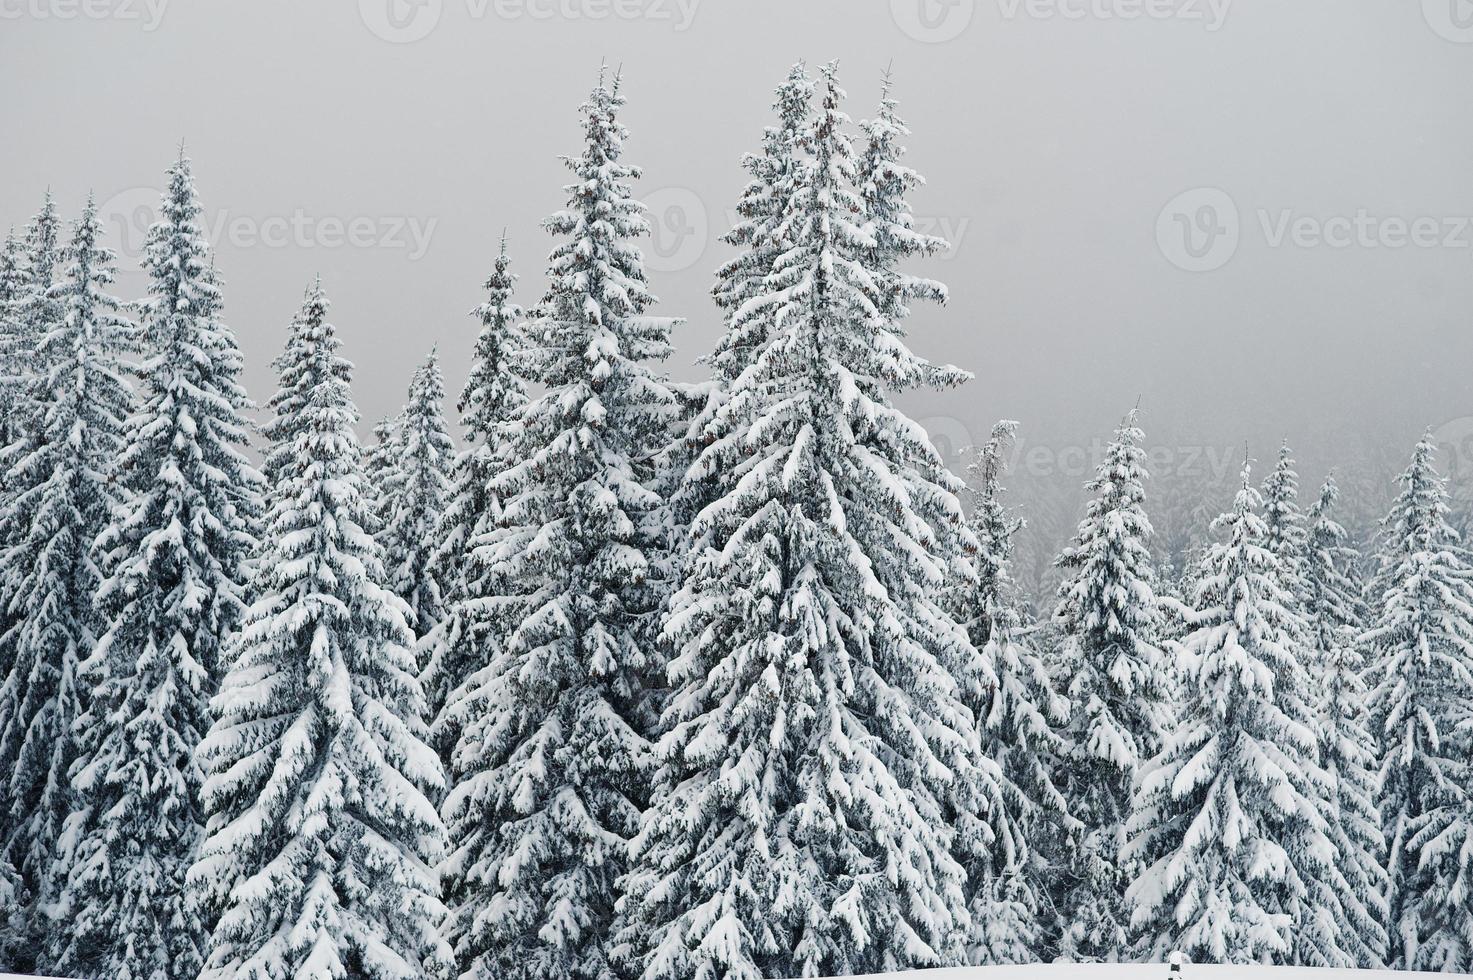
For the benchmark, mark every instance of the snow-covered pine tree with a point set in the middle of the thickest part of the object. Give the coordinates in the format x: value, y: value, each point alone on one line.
x: 552, y: 765
x: 815, y: 734
x: 417, y: 486
x: 321, y: 841
x: 741, y: 282
x: 37, y: 313
x: 15, y: 281
x: 14, y: 289
x: 1336, y: 614
x: 30, y: 315
x: 379, y: 463
x: 494, y: 393
x: 1421, y: 663
x: 1332, y: 571
x: 884, y: 185
x: 60, y: 492
x: 758, y: 234
x: 1119, y: 685
x: 288, y: 406
x: 1228, y: 823
x: 1009, y: 880
x: 175, y: 560
x: 1287, y: 534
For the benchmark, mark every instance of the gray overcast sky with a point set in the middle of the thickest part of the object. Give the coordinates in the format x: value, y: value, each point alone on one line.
x: 1080, y: 153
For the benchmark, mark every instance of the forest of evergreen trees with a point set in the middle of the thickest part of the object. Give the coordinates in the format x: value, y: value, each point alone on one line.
x: 659, y: 681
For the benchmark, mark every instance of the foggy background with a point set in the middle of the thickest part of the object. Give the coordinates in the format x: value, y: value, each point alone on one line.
x: 1251, y: 215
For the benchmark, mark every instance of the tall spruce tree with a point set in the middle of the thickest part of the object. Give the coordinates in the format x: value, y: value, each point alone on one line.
x: 379, y: 463
x: 1287, y: 534
x: 14, y: 284
x: 1421, y: 652
x: 1337, y: 613
x: 1009, y: 879
x: 494, y: 393
x: 288, y: 405
x: 815, y: 733
x: 321, y: 841
x: 885, y: 184
x: 60, y: 492
x: 552, y: 763
x: 760, y: 237
x: 1229, y: 822
x: 29, y: 315
x: 15, y: 281
x: 175, y: 560
x: 38, y: 311
x: 758, y: 234
x: 1119, y: 686
x: 417, y: 485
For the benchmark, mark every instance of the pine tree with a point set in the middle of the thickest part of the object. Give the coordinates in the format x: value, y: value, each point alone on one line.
x: 1010, y: 878
x: 417, y: 486
x: 884, y: 185
x: 1287, y: 535
x: 27, y: 316
x: 551, y: 764
x: 14, y: 289
x: 15, y: 282
x: 288, y: 406
x: 36, y: 314
x: 60, y: 493
x: 1336, y: 613
x: 379, y: 463
x: 321, y: 838
x: 175, y: 561
x: 1119, y: 684
x: 494, y: 393
x: 1229, y: 817
x: 1421, y: 649
x: 759, y: 233
x: 815, y: 734
x: 741, y: 283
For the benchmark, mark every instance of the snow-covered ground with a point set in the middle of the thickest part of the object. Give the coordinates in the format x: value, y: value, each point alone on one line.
x: 1149, y: 971
x: 1118, y: 971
